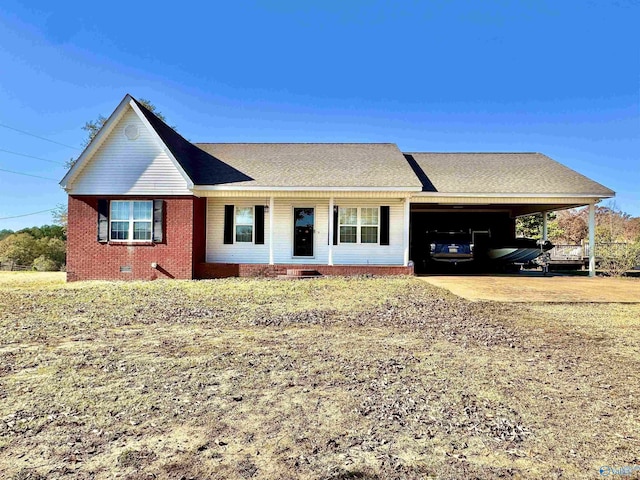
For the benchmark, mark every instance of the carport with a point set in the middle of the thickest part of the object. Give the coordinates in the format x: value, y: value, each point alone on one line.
x: 486, y: 192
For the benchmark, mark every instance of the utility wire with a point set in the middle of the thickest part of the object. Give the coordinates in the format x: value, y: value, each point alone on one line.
x: 27, y: 174
x: 38, y: 136
x: 27, y: 214
x: 29, y: 156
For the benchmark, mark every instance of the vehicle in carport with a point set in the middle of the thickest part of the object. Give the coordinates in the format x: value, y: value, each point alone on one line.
x: 460, y: 247
x: 451, y: 247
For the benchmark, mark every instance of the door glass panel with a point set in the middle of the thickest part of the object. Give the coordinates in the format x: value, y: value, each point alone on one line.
x: 303, y: 232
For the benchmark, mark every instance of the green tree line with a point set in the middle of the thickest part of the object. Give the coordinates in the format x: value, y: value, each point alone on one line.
x: 41, y: 248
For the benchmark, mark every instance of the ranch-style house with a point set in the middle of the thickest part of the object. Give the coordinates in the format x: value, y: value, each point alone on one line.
x: 145, y: 203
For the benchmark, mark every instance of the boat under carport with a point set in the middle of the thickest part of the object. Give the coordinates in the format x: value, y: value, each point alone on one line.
x: 484, y: 193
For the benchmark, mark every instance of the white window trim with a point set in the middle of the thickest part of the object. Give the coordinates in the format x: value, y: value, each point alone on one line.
x: 377, y: 226
x: 253, y: 225
x: 340, y: 225
x: 358, y: 226
x: 130, y: 221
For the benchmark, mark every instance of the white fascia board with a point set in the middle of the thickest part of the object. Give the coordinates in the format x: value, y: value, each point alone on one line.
x: 546, y: 210
x: 90, y: 149
x: 304, y: 189
x: 512, y: 195
x: 161, y: 144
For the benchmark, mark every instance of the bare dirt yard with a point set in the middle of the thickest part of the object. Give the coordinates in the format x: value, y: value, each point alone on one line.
x: 526, y: 287
x: 333, y: 378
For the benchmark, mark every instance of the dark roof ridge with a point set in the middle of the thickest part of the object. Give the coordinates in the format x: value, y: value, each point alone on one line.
x: 200, y: 166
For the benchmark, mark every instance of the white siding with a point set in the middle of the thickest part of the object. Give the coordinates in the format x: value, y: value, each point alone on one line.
x: 283, y: 232
x: 241, y: 252
x: 373, y: 254
x: 345, y: 254
x: 122, y: 166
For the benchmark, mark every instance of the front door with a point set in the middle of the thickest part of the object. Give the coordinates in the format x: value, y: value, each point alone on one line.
x: 303, y: 223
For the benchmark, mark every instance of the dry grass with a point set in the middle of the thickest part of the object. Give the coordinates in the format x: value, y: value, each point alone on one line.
x: 525, y: 287
x: 323, y: 379
x: 31, y: 280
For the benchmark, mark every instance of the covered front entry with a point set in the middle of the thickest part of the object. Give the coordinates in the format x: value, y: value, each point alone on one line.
x: 303, y: 231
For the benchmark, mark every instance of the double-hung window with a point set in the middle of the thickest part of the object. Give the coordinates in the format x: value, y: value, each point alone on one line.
x: 244, y: 224
x: 131, y: 220
x: 369, y: 225
x: 348, y: 219
x: 359, y: 224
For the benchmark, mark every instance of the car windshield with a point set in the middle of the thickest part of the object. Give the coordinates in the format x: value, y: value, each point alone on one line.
x: 459, y: 238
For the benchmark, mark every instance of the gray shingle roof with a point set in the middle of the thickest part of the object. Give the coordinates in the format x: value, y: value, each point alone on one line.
x: 370, y: 165
x: 500, y: 173
x: 319, y: 165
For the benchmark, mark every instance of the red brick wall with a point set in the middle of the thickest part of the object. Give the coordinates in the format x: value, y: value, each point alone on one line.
x: 223, y: 270
x: 88, y: 259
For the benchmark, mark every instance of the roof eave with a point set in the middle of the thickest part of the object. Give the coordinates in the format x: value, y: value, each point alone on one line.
x: 600, y: 195
x: 104, y: 132
x: 162, y: 144
x: 95, y: 143
x: 305, y: 189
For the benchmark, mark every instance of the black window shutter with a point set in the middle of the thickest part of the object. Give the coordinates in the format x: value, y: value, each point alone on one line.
x: 336, y: 227
x: 158, y: 207
x: 259, y: 222
x: 384, y: 225
x: 103, y: 220
x: 228, y: 224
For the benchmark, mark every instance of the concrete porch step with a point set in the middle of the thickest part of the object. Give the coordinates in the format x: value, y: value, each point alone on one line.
x: 295, y: 273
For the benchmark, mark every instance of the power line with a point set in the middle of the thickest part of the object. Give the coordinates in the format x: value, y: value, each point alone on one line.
x: 29, y: 156
x: 27, y: 214
x: 27, y: 174
x: 37, y: 136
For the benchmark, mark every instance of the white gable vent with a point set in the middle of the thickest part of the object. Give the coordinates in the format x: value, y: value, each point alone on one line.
x: 132, y: 131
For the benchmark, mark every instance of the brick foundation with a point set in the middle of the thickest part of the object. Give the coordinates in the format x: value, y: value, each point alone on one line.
x: 177, y: 255
x: 224, y: 270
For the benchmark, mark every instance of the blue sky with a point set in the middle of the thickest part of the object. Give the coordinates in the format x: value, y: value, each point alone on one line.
x: 561, y: 78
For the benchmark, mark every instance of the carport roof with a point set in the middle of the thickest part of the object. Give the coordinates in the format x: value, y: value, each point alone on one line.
x: 500, y: 173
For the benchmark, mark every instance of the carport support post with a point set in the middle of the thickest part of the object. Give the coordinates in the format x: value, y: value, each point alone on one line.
x: 331, y: 227
x: 271, y: 205
x: 545, y: 231
x: 592, y: 240
x: 407, y: 213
